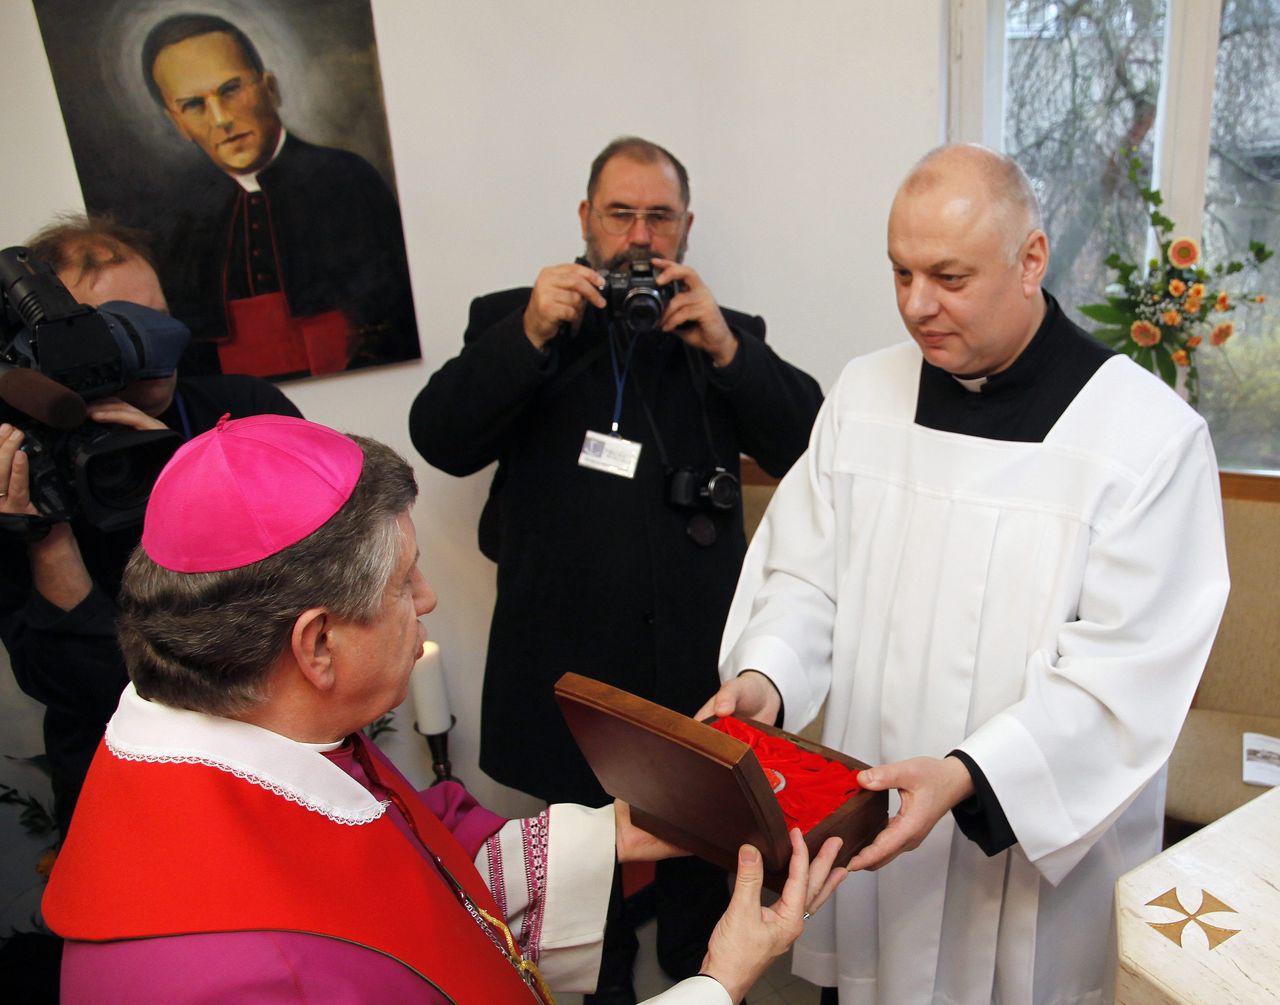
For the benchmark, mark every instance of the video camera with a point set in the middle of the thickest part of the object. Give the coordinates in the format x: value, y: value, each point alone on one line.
x: 634, y: 297
x: 56, y: 354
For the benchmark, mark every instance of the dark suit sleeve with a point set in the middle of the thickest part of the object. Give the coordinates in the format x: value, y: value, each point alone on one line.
x: 465, y: 416
x: 267, y: 399
x: 981, y: 818
x: 69, y: 662
x: 774, y: 403
x: 208, y: 398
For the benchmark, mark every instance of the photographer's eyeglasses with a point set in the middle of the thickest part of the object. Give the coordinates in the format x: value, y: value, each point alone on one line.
x: 662, y: 222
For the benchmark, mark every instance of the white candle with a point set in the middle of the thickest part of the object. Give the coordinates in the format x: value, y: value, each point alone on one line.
x: 430, y: 700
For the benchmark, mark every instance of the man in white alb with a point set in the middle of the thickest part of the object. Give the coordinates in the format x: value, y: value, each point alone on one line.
x: 1001, y: 566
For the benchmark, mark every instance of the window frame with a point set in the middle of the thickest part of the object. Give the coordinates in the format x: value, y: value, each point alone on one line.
x: 1184, y: 111
x: 1184, y: 116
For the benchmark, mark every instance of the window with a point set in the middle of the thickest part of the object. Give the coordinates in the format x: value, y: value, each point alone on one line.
x: 1240, y: 386
x: 1068, y: 88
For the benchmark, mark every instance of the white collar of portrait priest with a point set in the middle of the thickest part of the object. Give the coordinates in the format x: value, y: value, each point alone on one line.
x: 144, y: 730
x: 249, y: 182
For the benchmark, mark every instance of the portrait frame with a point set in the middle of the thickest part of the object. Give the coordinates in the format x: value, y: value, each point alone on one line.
x: 135, y: 166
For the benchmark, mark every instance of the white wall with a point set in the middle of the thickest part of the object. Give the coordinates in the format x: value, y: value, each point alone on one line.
x: 795, y: 121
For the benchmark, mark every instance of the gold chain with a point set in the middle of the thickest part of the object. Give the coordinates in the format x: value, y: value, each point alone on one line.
x: 528, y: 969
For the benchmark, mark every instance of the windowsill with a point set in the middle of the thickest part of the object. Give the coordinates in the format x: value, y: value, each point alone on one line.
x: 1259, y: 485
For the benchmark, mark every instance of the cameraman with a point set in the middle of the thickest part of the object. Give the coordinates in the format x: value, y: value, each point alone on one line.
x: 58, y: 594
x: 622, y: 574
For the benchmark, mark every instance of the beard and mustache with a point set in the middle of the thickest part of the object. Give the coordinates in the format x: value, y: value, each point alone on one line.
x: 635, y: 253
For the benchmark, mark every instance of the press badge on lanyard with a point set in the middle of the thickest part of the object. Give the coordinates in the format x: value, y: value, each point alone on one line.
x: 611, y: 453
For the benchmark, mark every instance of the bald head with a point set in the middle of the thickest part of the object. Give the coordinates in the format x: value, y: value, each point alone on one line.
x: 983, y: 185
x: 968, y: 257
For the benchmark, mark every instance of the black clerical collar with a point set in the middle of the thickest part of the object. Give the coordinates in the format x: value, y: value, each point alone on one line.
x: 1023, y: 401
x: 1050, y: 341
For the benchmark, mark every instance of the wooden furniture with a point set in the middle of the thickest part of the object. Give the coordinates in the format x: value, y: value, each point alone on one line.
x: 757, y: 490
x: 1200, y: 922
x: 1240, y: 690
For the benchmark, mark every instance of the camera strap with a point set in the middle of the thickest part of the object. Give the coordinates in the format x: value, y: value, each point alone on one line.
x: 698, y: 374
x: 700, y: 390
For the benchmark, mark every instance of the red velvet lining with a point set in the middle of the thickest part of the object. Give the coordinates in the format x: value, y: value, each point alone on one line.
x: 813, y: 788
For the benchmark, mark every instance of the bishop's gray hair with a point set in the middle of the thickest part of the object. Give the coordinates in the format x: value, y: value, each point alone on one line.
x: 208, y: 641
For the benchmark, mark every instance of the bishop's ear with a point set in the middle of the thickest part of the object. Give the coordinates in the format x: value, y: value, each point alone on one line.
x: 310, y: 649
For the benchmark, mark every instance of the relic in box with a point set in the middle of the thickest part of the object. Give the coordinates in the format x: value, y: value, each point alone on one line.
x: 705, y: 790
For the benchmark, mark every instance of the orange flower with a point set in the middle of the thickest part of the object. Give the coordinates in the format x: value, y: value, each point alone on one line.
x: 1144, y: 333
x: 1221, y: 333
x: 1194, y: 342
x: 1180, y: 357
x: 1192, y: 305
x: 1222, y: 303
x: 1196, y: 291
x: 1177, y: 287
x: 1171, y: 318
x: 1184, y: 253
x: 1260, y: 299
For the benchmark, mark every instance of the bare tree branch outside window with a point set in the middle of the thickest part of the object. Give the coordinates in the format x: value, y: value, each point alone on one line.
x: 1082, y: 82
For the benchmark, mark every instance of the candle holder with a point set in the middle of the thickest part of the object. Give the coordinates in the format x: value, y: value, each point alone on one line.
x: 438, y: 744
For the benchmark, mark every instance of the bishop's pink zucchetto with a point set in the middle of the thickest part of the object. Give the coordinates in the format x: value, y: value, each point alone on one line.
x: 246, y: 489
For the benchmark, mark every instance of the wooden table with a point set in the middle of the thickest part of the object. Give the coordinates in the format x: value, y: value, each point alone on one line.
x: 1200, y: 922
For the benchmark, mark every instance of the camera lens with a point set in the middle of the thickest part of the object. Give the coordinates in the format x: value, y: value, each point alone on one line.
x: 122, y: 478
x: 642, y: 309
x: 722, y: 490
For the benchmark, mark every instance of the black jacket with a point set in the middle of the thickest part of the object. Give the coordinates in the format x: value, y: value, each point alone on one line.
x: 596, y: 573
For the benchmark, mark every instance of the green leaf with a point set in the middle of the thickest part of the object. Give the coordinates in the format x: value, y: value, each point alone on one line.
x: 1106, y: 313
x: 1165, y: 365
x: 1112, y: 336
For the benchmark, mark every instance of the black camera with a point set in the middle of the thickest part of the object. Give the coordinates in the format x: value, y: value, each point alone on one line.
x: 634, y: 297
x: 698, y: 488
x: 54, y: 355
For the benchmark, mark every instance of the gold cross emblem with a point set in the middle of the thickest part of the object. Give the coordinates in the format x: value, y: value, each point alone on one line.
x: 1209, y: 904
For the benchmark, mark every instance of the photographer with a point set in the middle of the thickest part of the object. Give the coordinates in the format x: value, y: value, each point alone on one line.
x: 617, y: 554
x: 57, y: 594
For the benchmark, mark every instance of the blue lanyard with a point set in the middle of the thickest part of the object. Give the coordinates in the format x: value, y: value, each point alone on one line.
x: 182, y: 415
x: 619, y: 376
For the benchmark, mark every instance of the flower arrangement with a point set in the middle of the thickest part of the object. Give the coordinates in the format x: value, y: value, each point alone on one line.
x: 1162, y: 316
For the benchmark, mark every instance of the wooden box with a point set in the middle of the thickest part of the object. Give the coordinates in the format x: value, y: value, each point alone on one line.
x: 697, y: 787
